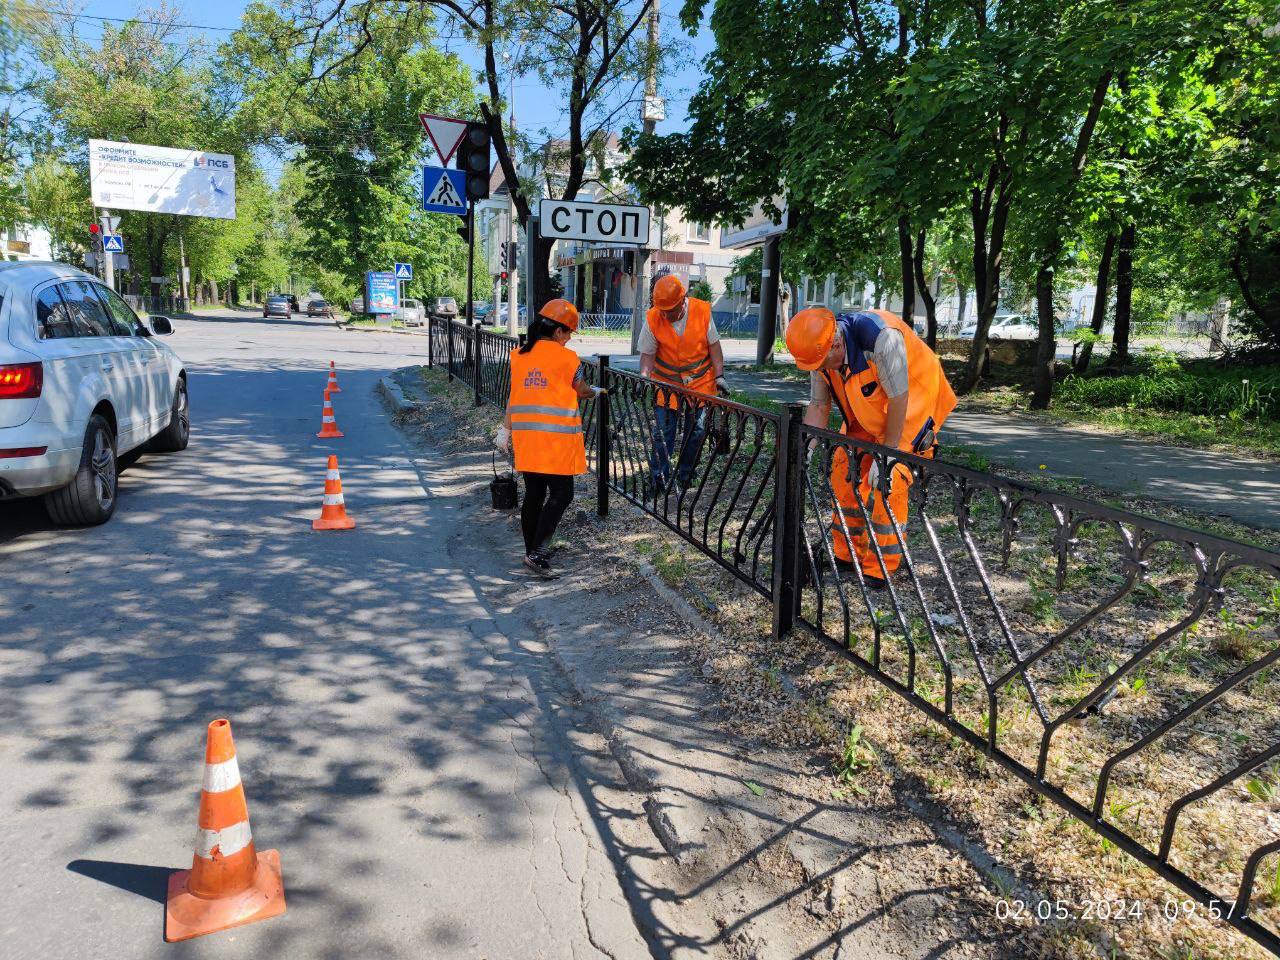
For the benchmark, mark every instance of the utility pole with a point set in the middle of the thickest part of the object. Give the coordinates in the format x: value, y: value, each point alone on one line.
x: 182, y: 270
x: 650, y: 114
x: 513, y: 267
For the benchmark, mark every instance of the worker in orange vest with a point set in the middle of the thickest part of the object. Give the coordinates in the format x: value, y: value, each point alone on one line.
x: 679, y: 344
x: 890, y: 389
x: 545, y: 428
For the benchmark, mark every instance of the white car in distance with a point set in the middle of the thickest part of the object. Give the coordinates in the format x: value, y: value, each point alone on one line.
x: 411, y: 313
x: 1007, y: 326
x: 82, y: 382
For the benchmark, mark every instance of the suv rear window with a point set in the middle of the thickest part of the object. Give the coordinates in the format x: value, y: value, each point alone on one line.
x: 52, y: 317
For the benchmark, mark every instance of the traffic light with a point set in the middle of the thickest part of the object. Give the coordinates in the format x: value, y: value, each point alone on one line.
x: 464, y: 232
x: 94, y: 230
x: 511, y: 254
x: 503, y: 276
x: 473, y: 157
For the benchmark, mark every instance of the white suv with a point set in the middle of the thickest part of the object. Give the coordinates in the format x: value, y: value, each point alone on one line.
x: 82, y: 381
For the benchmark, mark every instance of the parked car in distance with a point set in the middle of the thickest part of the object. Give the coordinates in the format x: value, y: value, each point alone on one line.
x: 319, y: 308
x: 277, y: 305
x: 293, y: 302
x: 444, y: 308
x: 357, y: 305
x: 82, y: 382
x: 411, y: 313
x: 481, y: 310
x: 1006, y: 326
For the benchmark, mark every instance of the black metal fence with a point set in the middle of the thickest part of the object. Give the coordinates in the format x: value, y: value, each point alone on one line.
x: 1124, y: 668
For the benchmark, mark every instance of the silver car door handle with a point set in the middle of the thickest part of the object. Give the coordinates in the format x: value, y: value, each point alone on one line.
x: 106, y: 365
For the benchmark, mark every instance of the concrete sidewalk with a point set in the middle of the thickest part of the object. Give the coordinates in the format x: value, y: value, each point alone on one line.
x: 1244, y: 489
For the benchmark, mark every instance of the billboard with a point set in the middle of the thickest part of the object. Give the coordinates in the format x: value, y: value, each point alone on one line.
x: 755, y: 229
x: 134, y: 176
x: 381, y: 292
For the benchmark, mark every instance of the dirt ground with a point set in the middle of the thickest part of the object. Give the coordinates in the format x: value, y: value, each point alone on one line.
x: 772, y: 802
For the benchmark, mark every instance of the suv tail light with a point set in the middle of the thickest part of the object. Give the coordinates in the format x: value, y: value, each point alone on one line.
x: 21, y: 381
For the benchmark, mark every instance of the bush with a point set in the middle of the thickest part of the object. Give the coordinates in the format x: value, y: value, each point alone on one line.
x: 1251, y: 393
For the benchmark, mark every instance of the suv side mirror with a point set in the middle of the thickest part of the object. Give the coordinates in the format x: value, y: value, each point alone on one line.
x: 162, y: 326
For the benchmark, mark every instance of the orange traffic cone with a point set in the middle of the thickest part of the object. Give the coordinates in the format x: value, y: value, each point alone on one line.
x: 328, y: 425
x: 333, y: 515
x: 332, y: 386
x: 229, y: 883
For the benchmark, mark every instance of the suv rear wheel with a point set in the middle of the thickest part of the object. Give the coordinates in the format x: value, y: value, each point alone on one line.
x: 90, y: 498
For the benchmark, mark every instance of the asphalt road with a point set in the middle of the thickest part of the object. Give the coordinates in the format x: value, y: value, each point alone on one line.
x: 397, y: 749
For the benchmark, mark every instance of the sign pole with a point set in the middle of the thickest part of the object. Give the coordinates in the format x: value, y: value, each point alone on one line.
x: 471, y: 258
x: 108, y: 258
x: 768, y: 332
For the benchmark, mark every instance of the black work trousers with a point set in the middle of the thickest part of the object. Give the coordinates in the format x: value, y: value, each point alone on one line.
x: 546, y: 497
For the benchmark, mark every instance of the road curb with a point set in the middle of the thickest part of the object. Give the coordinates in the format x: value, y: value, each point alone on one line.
x: 402, y: 333
x: 393, y: 394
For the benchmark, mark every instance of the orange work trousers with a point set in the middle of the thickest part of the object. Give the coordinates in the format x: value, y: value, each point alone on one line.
x: 846, y: 504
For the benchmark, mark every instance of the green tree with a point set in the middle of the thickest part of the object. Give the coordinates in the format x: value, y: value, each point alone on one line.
x: 354, y: 141
x: 593, y: 53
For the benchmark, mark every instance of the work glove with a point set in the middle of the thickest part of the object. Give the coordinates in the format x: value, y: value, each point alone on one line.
x: 722, y: 386
x: 598, y: 391
x: 503, y: 440
x: 894, y: 467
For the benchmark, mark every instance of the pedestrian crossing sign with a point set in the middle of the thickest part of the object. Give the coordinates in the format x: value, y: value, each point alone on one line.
x: 113, y: 243
x: 443, y: 190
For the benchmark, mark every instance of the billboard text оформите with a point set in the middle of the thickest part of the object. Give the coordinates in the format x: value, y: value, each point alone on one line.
x: 134, y: 176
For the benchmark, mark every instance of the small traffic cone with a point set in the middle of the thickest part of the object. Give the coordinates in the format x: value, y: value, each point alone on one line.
x: 333, y: 515
x: 229, y: 883
x: 333, y: 379
x: 328, y: 425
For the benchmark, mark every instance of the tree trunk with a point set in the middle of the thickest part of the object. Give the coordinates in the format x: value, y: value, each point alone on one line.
x: 930, y: 305
x: 963, y: 293
x: 907, y: 260
x: 1047, y: 347
x: 1124, y: 296
x: 877, y: 290
x: 1099, y: 318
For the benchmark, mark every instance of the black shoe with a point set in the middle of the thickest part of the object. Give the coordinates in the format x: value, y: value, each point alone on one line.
x: 538, y: 564
x: 873, y: 583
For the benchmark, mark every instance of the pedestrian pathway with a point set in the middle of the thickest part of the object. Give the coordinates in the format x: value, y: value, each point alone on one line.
x: 1242, y: 488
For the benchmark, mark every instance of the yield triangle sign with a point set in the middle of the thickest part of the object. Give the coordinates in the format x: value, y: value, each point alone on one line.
x: 445, y: 133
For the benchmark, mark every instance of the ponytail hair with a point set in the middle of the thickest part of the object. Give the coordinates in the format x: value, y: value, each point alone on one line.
x: 540, y: 329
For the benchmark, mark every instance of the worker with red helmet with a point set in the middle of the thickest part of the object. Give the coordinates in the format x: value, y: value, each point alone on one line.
x: 679, y: 344
x: 544, y: 426
x: 891, y: 390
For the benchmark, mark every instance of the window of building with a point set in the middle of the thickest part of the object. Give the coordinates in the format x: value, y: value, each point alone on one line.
x: 699, y: 232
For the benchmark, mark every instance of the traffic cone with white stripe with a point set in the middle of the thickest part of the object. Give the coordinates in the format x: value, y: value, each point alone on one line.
x: 332, y: 385
x: 328, y: 425
x: 229, y: 883
x: 333, y: 515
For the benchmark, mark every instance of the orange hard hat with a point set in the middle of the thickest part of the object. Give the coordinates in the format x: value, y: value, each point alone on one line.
x: 562, y: 312
x: 668, y: 292
x: 809, y: 336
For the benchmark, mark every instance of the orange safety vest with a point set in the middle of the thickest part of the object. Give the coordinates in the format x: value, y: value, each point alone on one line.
x: 684, y: 360
x: 864, y: 406
x: 546, y: 427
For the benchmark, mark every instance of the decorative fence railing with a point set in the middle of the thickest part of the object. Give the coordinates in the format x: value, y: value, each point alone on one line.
x: 1124, y: 668
x: 587, y: 322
